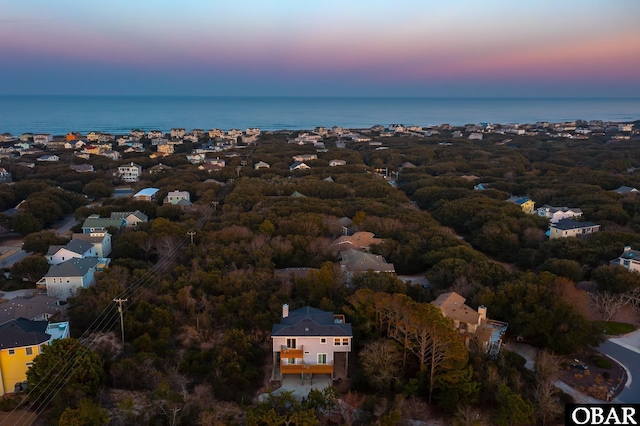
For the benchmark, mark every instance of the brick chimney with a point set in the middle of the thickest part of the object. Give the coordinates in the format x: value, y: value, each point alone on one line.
x: 285, y: 310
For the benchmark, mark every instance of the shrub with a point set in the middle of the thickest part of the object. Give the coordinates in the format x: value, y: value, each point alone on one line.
x: 602, y: 362
x: 617, y: 328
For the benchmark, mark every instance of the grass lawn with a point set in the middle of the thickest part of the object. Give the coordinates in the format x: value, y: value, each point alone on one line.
x: 617, y: 328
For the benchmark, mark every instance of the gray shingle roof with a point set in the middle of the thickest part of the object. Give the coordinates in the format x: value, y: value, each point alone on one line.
x: 357, y: 261
x: 72, y: 267
x: 29, y: 308
x: 310, y: 321
x: 22, y: 332
x: 566, y: 224
x: 124, y: 215
x: 78, y: 246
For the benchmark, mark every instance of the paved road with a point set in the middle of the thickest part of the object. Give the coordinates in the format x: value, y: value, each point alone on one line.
x: 64, y: 225
x: 8, y: 261
x: 631, y: 360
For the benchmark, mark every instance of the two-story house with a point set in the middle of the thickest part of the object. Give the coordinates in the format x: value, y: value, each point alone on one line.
x: 21, y: 340
x: 554, y: 214
x: 95, y: 223
x: 474, y: 326
x: 42, y: 139
x: 100, y: 240
x: 176, y: 197
x: 65, y: 278
x: 311, y: 341
x: 178, y: 133
x: 629, y: 258
x: 146, y: 194
x: 132, y: 219
x: 565, y: 228
x: 130, y: 172
x: 525, y: 203
x: 74, y: 249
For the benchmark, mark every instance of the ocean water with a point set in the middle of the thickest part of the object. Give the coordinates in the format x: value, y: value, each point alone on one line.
x: 119, y: 114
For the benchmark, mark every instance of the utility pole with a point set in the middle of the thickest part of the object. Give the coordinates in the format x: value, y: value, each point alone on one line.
x: 215, y: 205
x: 120, y: 302
x: 191, y: 234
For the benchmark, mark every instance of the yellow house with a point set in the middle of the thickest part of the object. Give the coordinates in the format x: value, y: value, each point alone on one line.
x: 525, y: 203
x: 21, y: 340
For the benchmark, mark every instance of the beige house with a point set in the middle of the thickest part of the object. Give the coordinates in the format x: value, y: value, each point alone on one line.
x: 571, y: 228
x: 310, y: 341
x: 132, y: 219
x: 361, y: 240
x: 472, y: 324
x: 355, y: 262
x: 261, y: 165
x: 305, y: 157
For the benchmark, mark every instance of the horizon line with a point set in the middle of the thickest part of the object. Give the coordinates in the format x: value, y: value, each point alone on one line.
x: 310, y: 96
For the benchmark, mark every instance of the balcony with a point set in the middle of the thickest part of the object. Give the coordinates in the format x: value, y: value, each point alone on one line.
x: 306, y: 368
x: 291, y: 353
x: 41, y: 284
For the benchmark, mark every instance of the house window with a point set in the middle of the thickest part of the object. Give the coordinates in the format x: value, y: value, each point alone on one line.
x: 322, y: 358
x: 29, y: 351
x: 12, y: 351
x: 29, y: 364
x: 345, y: 342
x: 291, y: 360
x: 323, y: 340
x: 336, y: 342
x: 291, y: 343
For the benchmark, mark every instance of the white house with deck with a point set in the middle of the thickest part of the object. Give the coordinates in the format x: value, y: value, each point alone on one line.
x: 65, y: 278
x: 555, y: 214
x: 130, y: 172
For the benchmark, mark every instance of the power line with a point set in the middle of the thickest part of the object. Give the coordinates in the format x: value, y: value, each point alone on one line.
x: 120, y: 302
x: 135, y: 291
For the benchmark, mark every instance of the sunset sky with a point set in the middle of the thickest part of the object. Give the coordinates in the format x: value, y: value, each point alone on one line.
x: 321, y: 48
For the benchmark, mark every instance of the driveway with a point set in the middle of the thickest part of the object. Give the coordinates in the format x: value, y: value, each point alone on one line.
x: 25, y: 292
x: 529, y: 352
x: 11, y: 251
x: 299, y: 388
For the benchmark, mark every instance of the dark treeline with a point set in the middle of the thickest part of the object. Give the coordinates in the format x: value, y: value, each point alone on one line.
x: 199, y: 332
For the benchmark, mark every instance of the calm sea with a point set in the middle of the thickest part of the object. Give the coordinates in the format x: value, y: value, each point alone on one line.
x: 119, y: 114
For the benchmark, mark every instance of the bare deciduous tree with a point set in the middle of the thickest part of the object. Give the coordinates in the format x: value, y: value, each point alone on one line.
x: 607, y: 303
x: 469, y: 416
x: 547, y: 401
x: 381, y: 362
x: 547, y: 368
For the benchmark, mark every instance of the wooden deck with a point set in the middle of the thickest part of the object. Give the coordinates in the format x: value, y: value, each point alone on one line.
x: 306, y: 368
